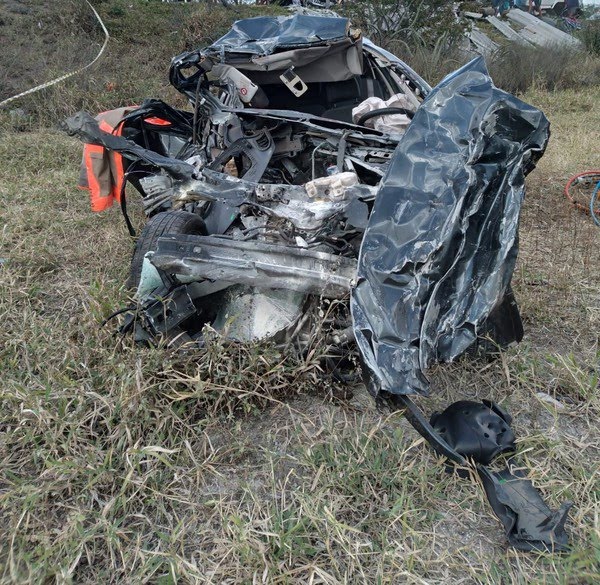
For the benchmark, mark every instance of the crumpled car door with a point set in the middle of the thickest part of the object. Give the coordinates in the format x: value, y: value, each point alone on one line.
x: 439, y: 251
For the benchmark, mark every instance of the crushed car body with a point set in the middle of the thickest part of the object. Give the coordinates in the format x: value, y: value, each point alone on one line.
x: 313, y: 165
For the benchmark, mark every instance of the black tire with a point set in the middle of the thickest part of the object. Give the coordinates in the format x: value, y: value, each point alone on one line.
x: 161, y: 224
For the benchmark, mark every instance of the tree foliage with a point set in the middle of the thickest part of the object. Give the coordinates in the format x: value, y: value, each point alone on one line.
x: 406, y: 23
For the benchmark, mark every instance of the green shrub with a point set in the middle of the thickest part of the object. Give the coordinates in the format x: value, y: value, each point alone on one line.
x: 432, y: 63
x: 515, y: 68
x: 590, y: 36
x: 409, y: 23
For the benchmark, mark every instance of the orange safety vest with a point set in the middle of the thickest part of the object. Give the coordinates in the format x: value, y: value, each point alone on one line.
x: 101, y: 169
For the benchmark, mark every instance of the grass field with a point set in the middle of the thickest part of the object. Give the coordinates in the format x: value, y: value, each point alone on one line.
x: 241, y: 465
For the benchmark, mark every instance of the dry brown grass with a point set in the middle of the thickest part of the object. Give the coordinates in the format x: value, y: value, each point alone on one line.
x: 131, y: 465
x: 44, y: 40
x: 127, y: 464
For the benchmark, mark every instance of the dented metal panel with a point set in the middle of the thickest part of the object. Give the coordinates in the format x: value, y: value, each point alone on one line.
x: 506, y: 30
x: 257, y: 264
x: 539, y: 32
x: 438, y: 254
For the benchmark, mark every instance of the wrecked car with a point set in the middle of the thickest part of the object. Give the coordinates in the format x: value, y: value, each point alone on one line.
x: 313, y: 164
x: 294, y: 124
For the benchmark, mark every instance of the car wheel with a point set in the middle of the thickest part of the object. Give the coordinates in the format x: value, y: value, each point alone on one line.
x: 161, y: 224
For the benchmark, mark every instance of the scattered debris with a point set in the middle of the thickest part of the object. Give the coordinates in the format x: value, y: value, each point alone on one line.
x: 274, y: 193
x: 530, y: 30
x: 507, y: 31
x: 540, y: 33
x: 471, y: 435
x: 473, y: 15
x: 483, y: 44
x: 550, y: 400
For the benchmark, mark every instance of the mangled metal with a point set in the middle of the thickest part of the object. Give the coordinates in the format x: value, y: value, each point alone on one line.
x: 459, y: 434
x: 274, y: 192
x: 258, y: 264
x: 274, y: 178
x: 439, y: 251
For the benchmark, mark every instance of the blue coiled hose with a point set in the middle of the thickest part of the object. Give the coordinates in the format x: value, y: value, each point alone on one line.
x: 595, y: 215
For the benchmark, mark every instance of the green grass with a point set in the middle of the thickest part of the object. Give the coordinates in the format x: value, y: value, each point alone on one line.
x: 51, y: 39
x: 244, y: 464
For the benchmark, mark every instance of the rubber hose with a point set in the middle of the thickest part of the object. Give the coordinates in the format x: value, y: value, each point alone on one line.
x: 575, y: 179
x: 593, y: 200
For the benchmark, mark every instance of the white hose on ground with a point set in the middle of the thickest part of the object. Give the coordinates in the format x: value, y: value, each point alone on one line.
x: 67, y: 75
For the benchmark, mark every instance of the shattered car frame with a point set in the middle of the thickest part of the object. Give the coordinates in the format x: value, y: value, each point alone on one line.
x: 314, y: 164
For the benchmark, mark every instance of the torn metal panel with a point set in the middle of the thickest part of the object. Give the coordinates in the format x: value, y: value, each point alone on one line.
x: 530, y: 525
x: 539, y: 32
x: 507, y: 31
x: 249, y: 314
x: 258, y: 264
x: 483, y: 43
x: 311, y: 48
x: 265, y: 35
x: 438, y: 254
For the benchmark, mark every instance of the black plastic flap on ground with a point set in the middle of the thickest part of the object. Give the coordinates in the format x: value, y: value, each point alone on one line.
x: 440, y: 248
x: 477, y: 430
x: 265, y: 35
x: 529, y: 523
